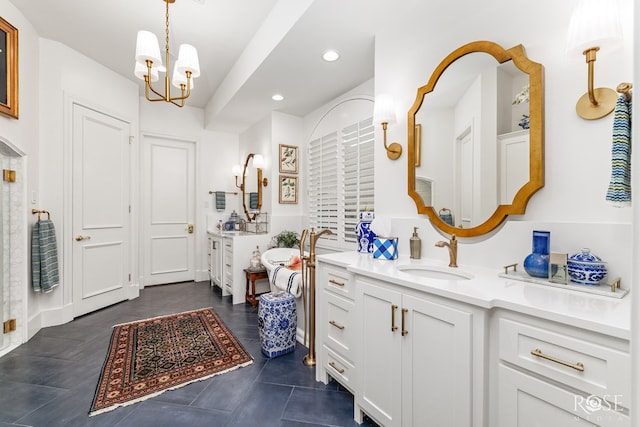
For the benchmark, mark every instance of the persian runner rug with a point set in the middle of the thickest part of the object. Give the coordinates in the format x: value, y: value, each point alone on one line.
x: 149, y: 357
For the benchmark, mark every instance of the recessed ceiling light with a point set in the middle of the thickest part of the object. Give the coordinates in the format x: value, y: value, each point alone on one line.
x: 277, y: 97
x: 330, y: 56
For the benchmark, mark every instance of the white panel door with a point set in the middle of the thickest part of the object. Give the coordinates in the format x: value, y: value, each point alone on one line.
x: 101, y: 217
x: 168, y: 193
x: 465, y: 179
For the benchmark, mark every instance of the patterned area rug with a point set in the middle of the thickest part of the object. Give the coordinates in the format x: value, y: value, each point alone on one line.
x: 151, y: 356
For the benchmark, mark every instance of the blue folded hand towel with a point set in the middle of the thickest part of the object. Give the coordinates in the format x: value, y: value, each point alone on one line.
x: 221, y: 200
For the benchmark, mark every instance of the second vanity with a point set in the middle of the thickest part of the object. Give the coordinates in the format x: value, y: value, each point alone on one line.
x: 417, y: 346
x: 229, y: 253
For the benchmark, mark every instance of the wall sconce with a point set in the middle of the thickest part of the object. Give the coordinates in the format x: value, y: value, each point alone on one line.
x: 236, y: 170
x: 595, y: 25
x: 384, y: 113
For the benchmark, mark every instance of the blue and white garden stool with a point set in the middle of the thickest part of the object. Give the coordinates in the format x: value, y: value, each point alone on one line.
x: 277, y: 323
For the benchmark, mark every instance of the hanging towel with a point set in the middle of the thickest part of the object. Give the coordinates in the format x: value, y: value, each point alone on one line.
x: 253, y: 200
x: 287, y: 280
x: 44, y: 257
x: 221, y: 200
x: 619, y: 191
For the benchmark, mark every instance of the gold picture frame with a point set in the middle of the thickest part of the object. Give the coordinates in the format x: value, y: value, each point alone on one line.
x: 418, y: 144
x: 288, y: 158
x: 288, y: 189
x: 8, y: 69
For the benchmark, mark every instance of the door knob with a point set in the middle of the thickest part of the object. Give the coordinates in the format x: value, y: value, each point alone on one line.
x: 190, y: 228
x: 80, y: 237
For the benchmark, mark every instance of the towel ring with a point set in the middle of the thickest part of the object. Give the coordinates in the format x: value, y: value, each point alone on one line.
x: 35, y: 211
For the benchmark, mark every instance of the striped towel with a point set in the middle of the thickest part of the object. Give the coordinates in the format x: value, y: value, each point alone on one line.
x: 221, y: 200
x: 253, y: 200
x: 619, y: 190
x: 44, y: 257
x: 287, y: 280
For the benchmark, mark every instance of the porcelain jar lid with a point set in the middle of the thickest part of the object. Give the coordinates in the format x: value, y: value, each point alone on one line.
x: 585, y: 257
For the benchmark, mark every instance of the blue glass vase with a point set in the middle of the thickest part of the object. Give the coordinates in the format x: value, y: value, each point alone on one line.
x: 536, y: 264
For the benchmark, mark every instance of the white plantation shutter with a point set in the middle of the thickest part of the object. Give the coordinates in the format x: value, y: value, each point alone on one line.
x: 341, y: 168
x: 357, y: 143
x: 323, y: 184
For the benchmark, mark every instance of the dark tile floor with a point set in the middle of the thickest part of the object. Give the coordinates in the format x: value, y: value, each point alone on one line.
x: 50, y: 380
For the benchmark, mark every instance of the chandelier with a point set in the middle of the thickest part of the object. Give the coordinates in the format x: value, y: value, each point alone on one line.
x: 149, y: 65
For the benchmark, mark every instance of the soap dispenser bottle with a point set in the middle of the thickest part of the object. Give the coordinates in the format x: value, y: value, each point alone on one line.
x: 415, y: 245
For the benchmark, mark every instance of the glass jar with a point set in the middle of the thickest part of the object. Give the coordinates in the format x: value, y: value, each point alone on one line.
x: 256, y: 261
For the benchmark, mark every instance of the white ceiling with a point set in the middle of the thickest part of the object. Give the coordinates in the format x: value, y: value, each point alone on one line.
x: 282, y: 47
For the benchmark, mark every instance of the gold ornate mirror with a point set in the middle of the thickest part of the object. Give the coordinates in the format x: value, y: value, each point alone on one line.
x: 252, y: 193
x: 476, y: 144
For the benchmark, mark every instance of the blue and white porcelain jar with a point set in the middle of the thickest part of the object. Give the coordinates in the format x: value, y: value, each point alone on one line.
x: 586, y: 268
x: 364, y: 233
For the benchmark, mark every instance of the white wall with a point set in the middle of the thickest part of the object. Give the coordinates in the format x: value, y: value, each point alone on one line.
x: 65, y: 77
x: 418, y: 35
x: 264, y: 138
x: 215, y: 153
x: 23, y: 133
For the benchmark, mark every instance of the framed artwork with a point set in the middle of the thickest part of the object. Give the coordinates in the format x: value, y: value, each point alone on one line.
x: 288, y: 158
x: 8, y: 69
x: 288, y: 189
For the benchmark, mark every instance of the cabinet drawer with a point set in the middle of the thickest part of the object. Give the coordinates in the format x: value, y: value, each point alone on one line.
x: 527, y: 401
x: 340, y: 369
x: 339, y: 328
x: 341, y: 282
x: 590, y: 367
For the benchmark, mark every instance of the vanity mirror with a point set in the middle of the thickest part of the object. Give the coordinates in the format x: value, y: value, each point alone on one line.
x: 476, y: 144
x: 251, y: 193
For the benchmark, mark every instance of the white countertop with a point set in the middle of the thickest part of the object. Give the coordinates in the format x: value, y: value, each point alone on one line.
x: 606, y: 315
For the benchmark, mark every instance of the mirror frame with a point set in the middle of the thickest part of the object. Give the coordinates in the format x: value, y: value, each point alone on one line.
x: 243, y: 187
x: 536, y: 136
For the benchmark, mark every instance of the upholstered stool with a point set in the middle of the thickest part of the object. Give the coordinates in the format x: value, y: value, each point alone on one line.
x: 277, y: 323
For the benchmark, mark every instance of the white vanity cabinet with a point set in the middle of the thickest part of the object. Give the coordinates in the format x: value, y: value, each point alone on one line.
x: 232, y: 254
x: 550, y: 374
x: 215, y: 259
x: 417, y: 357
x: 335, y: 326
x: 482, y: 352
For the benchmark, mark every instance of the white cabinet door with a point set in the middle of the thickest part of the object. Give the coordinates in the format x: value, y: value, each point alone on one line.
x: 380, y: 378
x: 215, y: 261
x: 436, y: 364
x: 416, y: 360
x: 526, y: 401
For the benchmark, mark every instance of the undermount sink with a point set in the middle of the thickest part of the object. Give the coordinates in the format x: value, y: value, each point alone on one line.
x: 433, y: 272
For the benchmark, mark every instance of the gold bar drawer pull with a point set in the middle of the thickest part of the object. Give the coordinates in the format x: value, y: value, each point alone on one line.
x: 333, y: 322
x: 393, y: 318
x: 577, y: 366
x: 335, y: 282
x: 333, y: 365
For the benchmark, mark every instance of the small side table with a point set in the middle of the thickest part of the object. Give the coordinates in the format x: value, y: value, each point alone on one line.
x: 253, y: 275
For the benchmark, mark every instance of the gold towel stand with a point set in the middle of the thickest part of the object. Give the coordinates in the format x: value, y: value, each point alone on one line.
x: 35, y: 211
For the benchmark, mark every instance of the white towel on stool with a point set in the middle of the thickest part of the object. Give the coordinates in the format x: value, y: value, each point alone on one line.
x: 287, y: 280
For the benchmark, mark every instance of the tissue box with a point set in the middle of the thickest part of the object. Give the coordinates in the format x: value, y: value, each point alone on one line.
x: 385, y: 248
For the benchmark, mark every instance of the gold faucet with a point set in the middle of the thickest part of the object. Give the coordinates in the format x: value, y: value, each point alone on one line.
x: 452, y: 245
x: 310, y: 358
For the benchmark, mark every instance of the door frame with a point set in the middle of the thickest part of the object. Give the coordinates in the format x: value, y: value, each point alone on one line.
x: 200, y: 229
x: 66, y: 255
